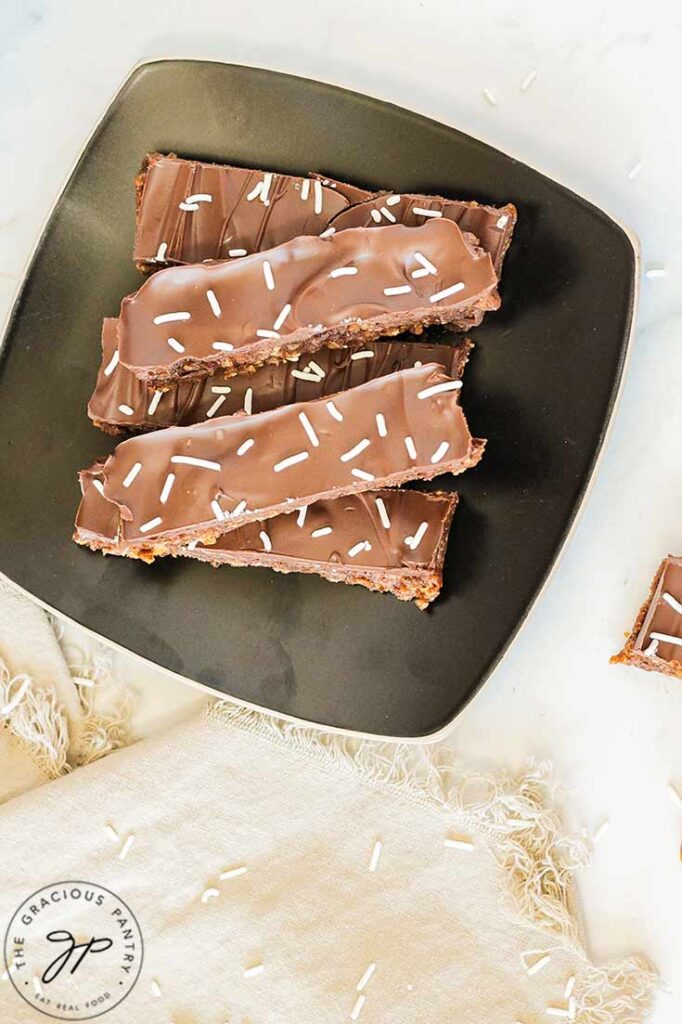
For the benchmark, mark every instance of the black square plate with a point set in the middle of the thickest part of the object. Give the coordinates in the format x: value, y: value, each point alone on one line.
x: 541, y: 386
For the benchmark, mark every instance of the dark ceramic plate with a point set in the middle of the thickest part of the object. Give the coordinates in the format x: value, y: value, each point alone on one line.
x: 541, y: 386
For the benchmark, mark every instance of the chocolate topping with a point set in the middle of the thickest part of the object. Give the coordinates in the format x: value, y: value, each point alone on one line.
x: 656, y: 639
x: 308, y: 293
x: 405, y: 533
x: 195, y: 483
x: 122, y: 403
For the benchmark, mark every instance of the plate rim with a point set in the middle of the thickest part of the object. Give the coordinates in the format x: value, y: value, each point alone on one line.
x: 578, y: 507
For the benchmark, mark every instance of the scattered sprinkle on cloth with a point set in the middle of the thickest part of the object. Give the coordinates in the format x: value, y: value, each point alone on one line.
x: 281, y: 875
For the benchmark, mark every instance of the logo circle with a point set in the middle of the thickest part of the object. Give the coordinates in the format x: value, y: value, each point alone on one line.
x: 73, y: 950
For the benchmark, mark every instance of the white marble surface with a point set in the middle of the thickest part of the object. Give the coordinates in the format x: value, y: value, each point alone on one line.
x: 606, y: 98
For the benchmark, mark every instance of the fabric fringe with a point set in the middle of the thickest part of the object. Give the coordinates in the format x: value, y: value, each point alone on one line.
x: 107, y: 705
x: 36, y: 721
x: 514, y: 811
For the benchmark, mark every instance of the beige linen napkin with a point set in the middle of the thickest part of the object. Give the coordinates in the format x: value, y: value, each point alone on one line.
x: 382, y: 883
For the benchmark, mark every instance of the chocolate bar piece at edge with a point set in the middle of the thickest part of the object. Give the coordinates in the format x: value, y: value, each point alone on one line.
x: 234, y: 211
x: 392, y: 541
x: 195, y: 483
x: 309, y: 293
x: 655, y: 643
x: 121, y: 403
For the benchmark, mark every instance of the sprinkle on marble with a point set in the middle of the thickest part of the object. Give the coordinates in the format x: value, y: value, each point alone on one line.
x: 447, y: 292
x: 376, y: 849
x: 528, y: 80
x: 490, y: 97
x: 125, y: 849
x: 233, y: 873
x: 366, y: 977
x: 409, y: 445
x: 415, y: 541
x: 419, y: 211
x: 344, y: 272
x: 131, y: 476
x: 265, y: 541
x: 161, y: 252
x: 248, y: 401
x: 236, y: 252
x: 253, y: 972
x: 365, y: 353
x: 328, y: 233
x: 156, y: 988
x: 381, y: 424
x: 167, y: 488
x: 376, y: 216
x: 635, y: 169
x: 401, y: 289
x: 111, y: 365
x: 356, y: 450
x: 357, y: 1008
x: 333, y: 411
x: 362, y: 474
x: 292, y: 460
x: 263, y: 332
x: 438, y: 389
x: 268, y: 275
x: 126, y: 410
x: 383, y: 514
x: 214, y: 408
x: 440, y: 452
x: 458, y: 843
x: 111, y: 833
x: 190, y: 460
x: 654, y: 272
x: 209, y: 894
x: 308, y: 427
x: 284, y: 313
x: 300, y: 518
x: 317, y: 190
x: 601, y: 831
x: 176, y: 345
x: 323, y: 531
x: 223, y: 346
x: 169, y: 318
x: 213, y: 303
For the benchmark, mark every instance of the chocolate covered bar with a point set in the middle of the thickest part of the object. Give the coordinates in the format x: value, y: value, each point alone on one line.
x: 183, y: 484
x: 655, y: 643
x: 189, y: 211
x: 122, y: 403
x: 400, y: 537
x: 307, y: 294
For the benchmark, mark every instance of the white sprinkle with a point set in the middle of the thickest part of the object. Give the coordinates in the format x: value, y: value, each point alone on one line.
x: 267, y: 182
x: 655, y: 272
x: 415, y: 541
x: 571, y: 1008
x: 634, y: 171
x: 213, y: 302
x: 248, y: 401
x: 279, y: 322
x: 528, y: 80
x: 537, y: 966
x: 376, y: 216
x: 290, y: 461
x: 263, y: 332
x: 570, y: 985
x: 344, y: 272
x: 673, y: 602
x: 167, y: 318
x: 421, y: 212
x: 502, y: 221
x: 491, y: 98
x: 376, y: 851
x: 317, y: 189
x: 192, y: 545
x: 111, y: 365
x: 305, y: 189
x: 328, y: 233
x: 189, y: 460
x: 314, y: 367
x: 437, y: 389
x: 359, y: 1003
x: 150, y: 524
x: 221, y: 390
x: 99, y: 486
x: 361, y: 474
x: 233, y: 873
x: 167, y: 488
x: 426, y: 264
x: 652, y: 648
x: 392, y: 200
x: 418, y: 362
x: 601, y: 832
x: 175, y: 344
x: 37, y: 987
x: 381, y: 424
x: 675, y: 794
x: 302, y: 375
x: 156, y: 988
x: 557, y: 1011
x: 223, y: 346
x: 458, y: 843
x: 255, y: 192
x: 252, y: 972
x: 217, y: 511
x: 387, y: 214
x: 411, y: 450
x: 125, y: 849
x: 132, y: 474
x: 416, y: 274
x: 446, y: 292
x: 353, y: 452
x: 199, y: 197
x: 401, y: 289
x: 267, y: 274
x: 666, y: 638
x: 364, y: 545
x: 383, y: 514
x: 236, y: 252
x: 365, y: 978
x: 209, y: 894
x: 365, y: 353
x: 161, y: 251
x: 243, y: 448
x: 189, y: 207
x: 126, y: 410
x: 440, y: 451
x: 300, y: 518
x: 323, y: 531
x: 308, y: 427
x: 214, y: 408
x: 238, y: 509
x: 111, y: 833
x: 154, y: 404
x: 333, y: 411
x: 265, y: 540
